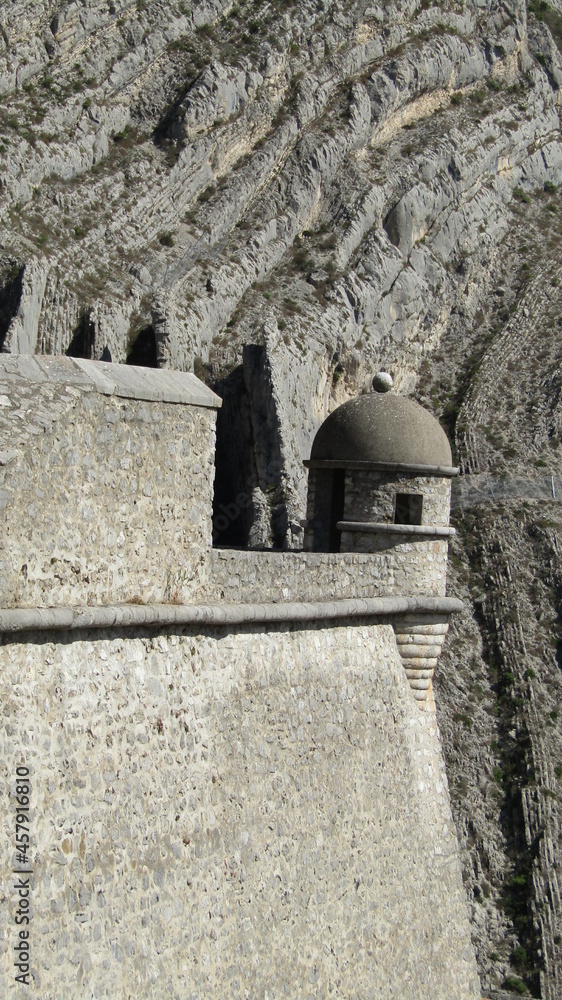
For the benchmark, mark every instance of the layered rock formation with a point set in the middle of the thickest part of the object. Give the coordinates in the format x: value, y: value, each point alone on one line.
x: 285, y: 197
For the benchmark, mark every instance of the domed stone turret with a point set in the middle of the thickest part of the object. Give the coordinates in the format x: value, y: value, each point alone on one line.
x: 382, y: 428
x: 379, y: 476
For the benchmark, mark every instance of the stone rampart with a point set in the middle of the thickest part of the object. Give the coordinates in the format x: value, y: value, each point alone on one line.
x: 233, y: 790
x: 231, y: 812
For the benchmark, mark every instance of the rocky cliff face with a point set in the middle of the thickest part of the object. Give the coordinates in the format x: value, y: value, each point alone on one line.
x: 286, y: 197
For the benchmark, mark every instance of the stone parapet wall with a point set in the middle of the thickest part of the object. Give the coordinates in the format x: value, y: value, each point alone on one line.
x: 107, y: 499
x: 230, y: 812
x: 403, y: 569
x: 423, y: 560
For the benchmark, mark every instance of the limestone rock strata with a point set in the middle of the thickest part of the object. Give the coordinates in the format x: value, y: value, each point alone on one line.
x: 257, y: 155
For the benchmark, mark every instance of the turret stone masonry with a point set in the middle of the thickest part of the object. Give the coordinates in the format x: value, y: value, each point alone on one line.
x: 234, y: 778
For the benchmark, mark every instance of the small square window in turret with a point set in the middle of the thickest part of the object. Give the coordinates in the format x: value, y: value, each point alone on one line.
x: 408, y: 508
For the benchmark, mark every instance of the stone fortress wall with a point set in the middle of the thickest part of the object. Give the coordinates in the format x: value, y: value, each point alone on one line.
x: 97, y: 503
x: 317, y: 576
x: 247, y: 802
x: 230, y: 813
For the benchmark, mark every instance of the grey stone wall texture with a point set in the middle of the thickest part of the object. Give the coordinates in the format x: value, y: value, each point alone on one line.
x: 108, y: 501
x: 370, y: 496
x: 253, y: 810
x: 407, y: 568
x: 231, y: 814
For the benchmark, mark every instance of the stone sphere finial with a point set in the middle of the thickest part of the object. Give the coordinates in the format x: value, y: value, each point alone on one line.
x: 382, y: 382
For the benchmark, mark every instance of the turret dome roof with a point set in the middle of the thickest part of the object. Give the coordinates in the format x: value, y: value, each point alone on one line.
x: 384, y: 428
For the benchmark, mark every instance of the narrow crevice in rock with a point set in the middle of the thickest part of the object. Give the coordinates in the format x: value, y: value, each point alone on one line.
x: 143, y: 350
x: 250, y: 503
x: 83, y: 340
x: 266, y: 427
x: 235, y: 472
x: 10, y: 296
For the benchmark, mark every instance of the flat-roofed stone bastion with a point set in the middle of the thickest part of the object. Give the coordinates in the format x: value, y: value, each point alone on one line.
x: 236, y: 786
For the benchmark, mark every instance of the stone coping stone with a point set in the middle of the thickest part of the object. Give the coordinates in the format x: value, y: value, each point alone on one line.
x: 126, y: 381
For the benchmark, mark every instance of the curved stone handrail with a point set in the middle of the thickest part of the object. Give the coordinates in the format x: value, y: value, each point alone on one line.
x: 130, y: 615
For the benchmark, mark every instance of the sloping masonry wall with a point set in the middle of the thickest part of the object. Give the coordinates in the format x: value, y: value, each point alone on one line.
x: 232, y: 789
x: 231, y: 813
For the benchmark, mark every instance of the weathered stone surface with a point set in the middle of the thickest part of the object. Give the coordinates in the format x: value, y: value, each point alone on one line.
x: 224, y: 796
x: 260, y: 813
x: 107, y: 498
x: 382, y: 427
